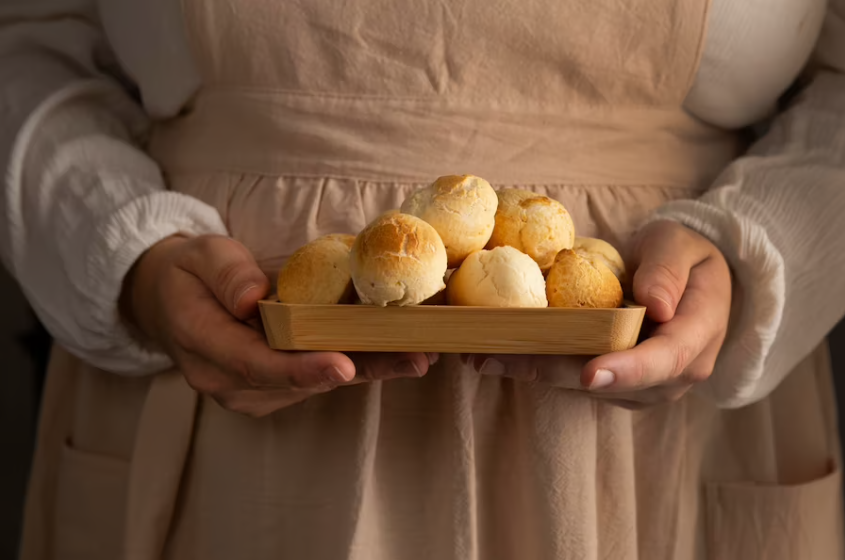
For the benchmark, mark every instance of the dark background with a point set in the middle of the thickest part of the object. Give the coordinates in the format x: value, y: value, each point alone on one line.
x: 24, y: 348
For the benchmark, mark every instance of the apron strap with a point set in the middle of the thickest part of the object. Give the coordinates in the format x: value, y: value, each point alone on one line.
x: 55, y: 419
x: 160, y: 455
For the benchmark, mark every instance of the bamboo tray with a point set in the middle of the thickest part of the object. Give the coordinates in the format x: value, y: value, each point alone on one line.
x: 432, y: 328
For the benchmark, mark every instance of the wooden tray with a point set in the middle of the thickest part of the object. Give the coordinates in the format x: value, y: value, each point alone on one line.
x: 431, y: 328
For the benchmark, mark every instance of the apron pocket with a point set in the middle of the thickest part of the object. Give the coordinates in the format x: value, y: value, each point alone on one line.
x: 90, y: 505
x: 775, y: 522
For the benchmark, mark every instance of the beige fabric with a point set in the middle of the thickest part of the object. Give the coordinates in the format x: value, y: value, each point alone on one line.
x: 316, y: 116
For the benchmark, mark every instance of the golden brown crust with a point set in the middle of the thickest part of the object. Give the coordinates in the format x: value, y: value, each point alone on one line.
x: 398, y: 259
x: 534, y: 224
x: 600, y: 249
x: 318, y: 272
x: 344, y: 238
x: 390, y: 234
x: 575, y: 281
x: 462, y: 210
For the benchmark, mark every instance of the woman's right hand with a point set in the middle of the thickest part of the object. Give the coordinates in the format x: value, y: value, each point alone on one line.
x: 192, y: 297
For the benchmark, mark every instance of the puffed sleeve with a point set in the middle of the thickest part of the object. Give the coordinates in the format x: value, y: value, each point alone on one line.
x: 81, y: 200
x: 777, y: 215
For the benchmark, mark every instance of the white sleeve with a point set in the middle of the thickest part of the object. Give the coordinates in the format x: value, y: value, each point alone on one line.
x: 776, y: 215
x: 81, y: 201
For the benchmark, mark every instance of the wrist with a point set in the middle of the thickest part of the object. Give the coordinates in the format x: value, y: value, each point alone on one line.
x: 139, y: 285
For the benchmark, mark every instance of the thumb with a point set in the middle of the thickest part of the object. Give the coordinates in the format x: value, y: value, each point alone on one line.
x: 229, y: 270
x: 665, y: 253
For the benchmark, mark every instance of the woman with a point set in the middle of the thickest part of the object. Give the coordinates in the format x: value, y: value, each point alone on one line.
x: 170, y: 430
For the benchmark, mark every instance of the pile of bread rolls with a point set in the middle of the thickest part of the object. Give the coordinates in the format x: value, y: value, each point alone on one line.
x: 460, y: 242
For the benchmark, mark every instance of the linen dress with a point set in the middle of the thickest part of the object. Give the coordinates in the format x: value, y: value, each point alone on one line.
x: 292, y: 137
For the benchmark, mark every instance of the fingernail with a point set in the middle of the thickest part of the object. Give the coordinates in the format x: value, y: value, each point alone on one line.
x: 241, y: 294
x: 492, y: 367
x: 334, y: 374
x: 433, y: 358
x: 603, y: 378
x: 408, y: 368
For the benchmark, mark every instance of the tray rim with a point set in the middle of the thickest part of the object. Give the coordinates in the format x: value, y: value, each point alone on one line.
x: 273, y: 311
x: 626, y: 306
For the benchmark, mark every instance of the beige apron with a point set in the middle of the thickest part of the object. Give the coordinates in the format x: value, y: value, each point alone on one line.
x: 315, y: 116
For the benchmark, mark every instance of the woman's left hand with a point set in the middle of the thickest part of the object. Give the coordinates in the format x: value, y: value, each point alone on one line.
x: 685, y: 284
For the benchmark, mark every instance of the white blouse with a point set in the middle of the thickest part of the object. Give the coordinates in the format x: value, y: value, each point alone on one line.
x: 81, y: 202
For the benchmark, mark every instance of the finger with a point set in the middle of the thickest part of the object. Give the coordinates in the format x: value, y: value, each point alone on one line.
x: 256, y: 324
x: 212, y: 333
x: 257, y: 403
x: 664, y: 257
x: 558, y: 371
x: 235, y: 395
x: 205, y: 377
x: 229, y: 270
x: 702, y: 367
x: 633, y: 406
x: 384, y: 366
x: 699, y: 321
x: 638, y: 400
